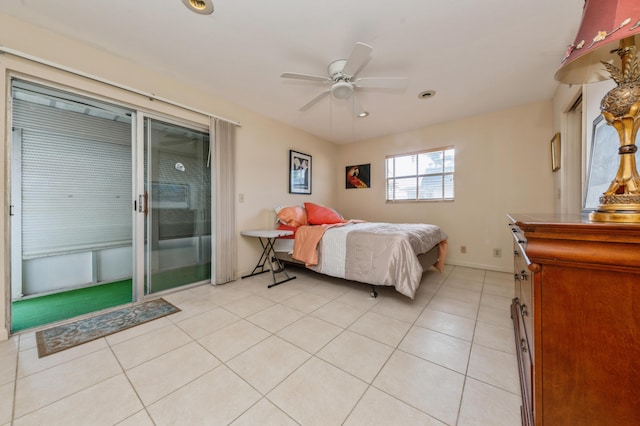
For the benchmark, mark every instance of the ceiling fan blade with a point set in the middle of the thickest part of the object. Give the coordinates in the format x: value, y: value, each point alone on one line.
x: 360, y: 55
x: 382, y: 82
x: 315, y: 100
x: 307, y: 77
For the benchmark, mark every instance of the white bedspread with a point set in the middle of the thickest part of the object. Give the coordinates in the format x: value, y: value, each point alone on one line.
x: 378, y: 253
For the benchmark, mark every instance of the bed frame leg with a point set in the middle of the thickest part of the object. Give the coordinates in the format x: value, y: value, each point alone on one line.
x: 374, y: 293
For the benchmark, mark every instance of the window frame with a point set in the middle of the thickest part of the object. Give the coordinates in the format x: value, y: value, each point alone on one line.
x: 442, y: 173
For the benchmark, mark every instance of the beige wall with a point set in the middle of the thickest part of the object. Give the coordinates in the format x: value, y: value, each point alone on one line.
x: 502, y: 158
x: 262, y: 144
x: 502, y: 166
x: 577, y: 132
x: 263, y: 178
x: 569, y: 121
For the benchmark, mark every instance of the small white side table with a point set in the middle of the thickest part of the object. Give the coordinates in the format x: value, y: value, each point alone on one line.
x: 267, y: 238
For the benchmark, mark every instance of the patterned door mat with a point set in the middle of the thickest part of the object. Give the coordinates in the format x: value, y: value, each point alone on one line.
x: 66, y: 336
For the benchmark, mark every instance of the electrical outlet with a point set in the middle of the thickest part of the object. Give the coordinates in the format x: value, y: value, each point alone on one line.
x: 463, y: 249
x: 497, y: 252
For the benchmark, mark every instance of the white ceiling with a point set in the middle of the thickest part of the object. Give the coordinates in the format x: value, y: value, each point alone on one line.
x: 478, y: 55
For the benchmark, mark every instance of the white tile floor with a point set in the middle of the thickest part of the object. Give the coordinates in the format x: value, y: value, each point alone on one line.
x: 313, y: 351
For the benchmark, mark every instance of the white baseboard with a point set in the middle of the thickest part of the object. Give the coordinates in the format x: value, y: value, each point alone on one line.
x: 480, y: 266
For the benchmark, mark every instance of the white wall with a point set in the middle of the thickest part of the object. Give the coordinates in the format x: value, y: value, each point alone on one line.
x: 262, y: 144
x: 502, y: 158
x: 568, y: 119
x: 263, y: 178
x: 502, y: 166
x: 569, y: 183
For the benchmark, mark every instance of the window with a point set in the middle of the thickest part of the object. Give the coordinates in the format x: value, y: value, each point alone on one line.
x: 421, y: 176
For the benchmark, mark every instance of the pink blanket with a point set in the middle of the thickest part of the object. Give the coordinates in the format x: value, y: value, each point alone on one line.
x: 305, y: 247
x: 307, y: 238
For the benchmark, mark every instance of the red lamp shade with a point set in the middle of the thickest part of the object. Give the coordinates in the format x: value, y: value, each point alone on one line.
x: 604, y: 24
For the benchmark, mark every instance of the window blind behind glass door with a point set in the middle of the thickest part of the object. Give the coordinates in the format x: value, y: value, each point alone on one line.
x: 76, y: 174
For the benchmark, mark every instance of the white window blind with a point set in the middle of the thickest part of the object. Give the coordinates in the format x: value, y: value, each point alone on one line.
x: 76, y: 172
x: 421, y: 176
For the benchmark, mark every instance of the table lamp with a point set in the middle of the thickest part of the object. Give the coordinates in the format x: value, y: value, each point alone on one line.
x: 609, y: 29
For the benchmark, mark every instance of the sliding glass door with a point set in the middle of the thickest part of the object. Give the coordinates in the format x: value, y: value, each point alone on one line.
x: 71, y: 191
x: 108, y: 204
x: 178, y: 206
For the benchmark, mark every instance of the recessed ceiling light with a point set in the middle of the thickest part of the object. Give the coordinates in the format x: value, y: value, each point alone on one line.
x: 427, y: 94
x: 204, y: 7
x: 363, y: 114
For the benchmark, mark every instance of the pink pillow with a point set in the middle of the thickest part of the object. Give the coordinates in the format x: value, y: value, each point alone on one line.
x: 320, y: 215
x: 292, y: 216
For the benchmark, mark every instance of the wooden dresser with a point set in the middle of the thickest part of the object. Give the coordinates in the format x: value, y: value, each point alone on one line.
x: 576, y: 316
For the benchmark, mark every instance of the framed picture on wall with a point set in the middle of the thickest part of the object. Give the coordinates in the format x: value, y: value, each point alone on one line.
x: 603, y: 163
x: 358, y: 176
x: 299, y: 173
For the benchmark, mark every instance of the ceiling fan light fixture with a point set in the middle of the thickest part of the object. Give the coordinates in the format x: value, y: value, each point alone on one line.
x: 203, y: 7
x: 344, y: 80
x: 342, y: 89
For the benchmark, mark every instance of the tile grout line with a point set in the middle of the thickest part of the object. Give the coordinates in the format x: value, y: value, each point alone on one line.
x: 369, y: 385
x: 395, y: 349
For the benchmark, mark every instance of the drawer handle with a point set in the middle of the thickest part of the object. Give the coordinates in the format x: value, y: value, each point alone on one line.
x: 523, y: 275
x: 523, y: 345
x: 523, y: 310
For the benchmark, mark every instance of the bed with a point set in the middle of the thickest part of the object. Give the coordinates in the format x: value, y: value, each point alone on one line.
x: 373, y: 253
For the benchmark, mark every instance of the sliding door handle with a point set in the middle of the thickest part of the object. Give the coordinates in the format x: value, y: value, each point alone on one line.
x: 143, y: 199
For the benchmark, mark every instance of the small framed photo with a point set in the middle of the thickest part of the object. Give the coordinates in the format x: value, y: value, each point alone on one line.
x: 299, y: 173
x: 358, y: 176
x: 555, y: 153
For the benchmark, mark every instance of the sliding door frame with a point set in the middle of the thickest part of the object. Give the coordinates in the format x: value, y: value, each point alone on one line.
x: 139, y: 206
x: 144, y: 286
x: 117, y: 97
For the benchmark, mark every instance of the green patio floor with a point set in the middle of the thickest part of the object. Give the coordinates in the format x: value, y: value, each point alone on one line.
x: 38, y: 311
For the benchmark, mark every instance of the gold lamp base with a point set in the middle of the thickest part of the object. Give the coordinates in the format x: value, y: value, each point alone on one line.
x: 621, y: 109
x: 621, y: 213
x: 621, y: 217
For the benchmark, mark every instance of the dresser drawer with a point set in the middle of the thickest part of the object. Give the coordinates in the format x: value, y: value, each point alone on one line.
x: 526, y: 351
x: 522, y: 315
x: 524, y: 277
x: 525, y: 362
x: 523, y: 285
x: 585, y: 333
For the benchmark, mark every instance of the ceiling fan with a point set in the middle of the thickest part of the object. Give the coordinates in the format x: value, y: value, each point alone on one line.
x: 342, y: 75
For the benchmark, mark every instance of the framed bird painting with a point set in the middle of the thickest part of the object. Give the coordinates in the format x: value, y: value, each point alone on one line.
x: 358, y: 176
